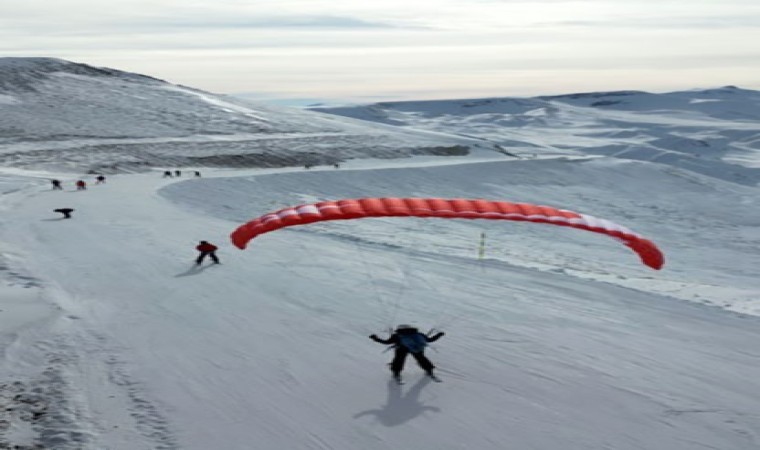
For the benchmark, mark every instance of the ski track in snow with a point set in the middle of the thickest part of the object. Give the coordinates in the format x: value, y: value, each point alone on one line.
x: 54, y: 405
x: 550, y: 343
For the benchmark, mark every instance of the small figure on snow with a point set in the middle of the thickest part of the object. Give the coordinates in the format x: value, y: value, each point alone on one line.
x: 81, y: 185
x: 56, y: 185
x: 206, y: 248
x: 65, y: 211
x: 177, y: 173
x: 167, y: 174
x: 197, y: 174
x: 100, y: 179
x: 407, y: 339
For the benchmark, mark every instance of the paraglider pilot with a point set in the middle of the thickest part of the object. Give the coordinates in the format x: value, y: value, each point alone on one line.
x: 206, y: 248
x: 407, y: 339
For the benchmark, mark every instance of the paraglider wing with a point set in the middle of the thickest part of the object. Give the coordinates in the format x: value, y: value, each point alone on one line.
x: 446, y: 208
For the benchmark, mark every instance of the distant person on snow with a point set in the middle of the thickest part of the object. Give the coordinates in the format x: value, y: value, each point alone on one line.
x: 100, y: 179
x: 65, y: 211
x: 407, y: 339
x: 206, y: 248
x: 197, y: 174
x: 177, y: 173
x: 167, y: 174
x: 56, y: 185
x: 81, y: 185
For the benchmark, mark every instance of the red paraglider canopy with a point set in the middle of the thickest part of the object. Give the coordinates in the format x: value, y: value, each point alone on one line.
x: 445, y: 208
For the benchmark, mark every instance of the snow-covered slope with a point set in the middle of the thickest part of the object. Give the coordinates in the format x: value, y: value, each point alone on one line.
x: 557, y: 339
x: 63, y: 115
x: 112, y: 339
x: 715, y: 132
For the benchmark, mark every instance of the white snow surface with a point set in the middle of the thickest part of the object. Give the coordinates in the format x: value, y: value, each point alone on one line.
x: 557, y: 339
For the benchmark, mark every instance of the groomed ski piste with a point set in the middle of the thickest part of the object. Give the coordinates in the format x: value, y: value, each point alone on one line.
x: 556, y: 339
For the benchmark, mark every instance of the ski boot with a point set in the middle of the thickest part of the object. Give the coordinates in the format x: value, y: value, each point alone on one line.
x: 432, y: 375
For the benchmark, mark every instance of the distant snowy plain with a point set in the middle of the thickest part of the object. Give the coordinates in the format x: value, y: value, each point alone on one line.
x: 557, y: 339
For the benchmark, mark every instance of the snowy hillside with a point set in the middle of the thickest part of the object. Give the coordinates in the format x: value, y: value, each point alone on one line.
x: 715, y: 132
x: 62, y: 115
x: 557, y: 339
x: 111, y: 338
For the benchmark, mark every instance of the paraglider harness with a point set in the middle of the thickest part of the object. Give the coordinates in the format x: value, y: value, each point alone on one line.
x: 410, y: 339
x: 414, y: 342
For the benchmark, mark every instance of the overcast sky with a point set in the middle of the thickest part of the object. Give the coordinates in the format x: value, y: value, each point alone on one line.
x: 362, y: 50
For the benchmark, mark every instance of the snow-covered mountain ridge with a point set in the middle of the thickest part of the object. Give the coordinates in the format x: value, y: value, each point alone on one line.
x: 26, y: 74
x: 714, y: 132
x: 63, y: 115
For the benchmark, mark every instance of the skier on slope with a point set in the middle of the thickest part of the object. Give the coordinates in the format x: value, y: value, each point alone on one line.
x: 56, y: 185
x: 65, y: 211
x: 407, y: 339
x: 206, y: 248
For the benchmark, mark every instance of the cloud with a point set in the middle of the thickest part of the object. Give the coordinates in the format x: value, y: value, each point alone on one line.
x: 349, y: 48
x: 698, y: 22
x: 295, y: 21
x: 170, y: 24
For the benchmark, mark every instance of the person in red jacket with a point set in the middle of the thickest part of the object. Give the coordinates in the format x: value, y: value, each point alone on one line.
x: 206, y: 248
